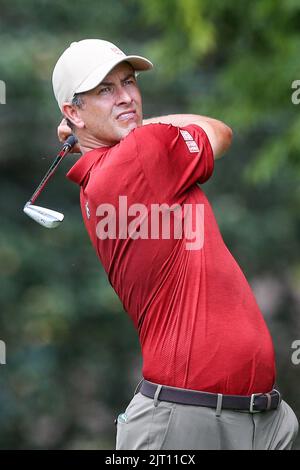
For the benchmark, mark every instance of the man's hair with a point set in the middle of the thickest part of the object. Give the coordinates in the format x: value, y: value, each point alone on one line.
x: 78, y: 101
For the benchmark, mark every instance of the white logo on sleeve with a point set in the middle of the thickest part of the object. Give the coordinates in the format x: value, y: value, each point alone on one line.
x: 189, y: 142
x: 87, y: 210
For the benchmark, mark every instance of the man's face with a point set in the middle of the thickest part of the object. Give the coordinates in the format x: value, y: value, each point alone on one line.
x: 112, y: 109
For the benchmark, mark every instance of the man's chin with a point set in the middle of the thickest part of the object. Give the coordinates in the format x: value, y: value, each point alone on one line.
x: 125, y: 131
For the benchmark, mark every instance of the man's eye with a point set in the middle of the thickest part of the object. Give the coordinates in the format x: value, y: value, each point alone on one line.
x: 129, y: 82
x: 104, y: 90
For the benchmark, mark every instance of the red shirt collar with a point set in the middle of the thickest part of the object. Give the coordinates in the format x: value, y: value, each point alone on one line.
x: 81, y: 168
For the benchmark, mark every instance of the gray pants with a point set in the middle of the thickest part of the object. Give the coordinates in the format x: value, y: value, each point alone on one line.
x: 150, y: 425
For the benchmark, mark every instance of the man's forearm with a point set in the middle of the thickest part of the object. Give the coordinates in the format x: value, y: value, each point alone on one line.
x: 179, y: 120
x: 219, y: 134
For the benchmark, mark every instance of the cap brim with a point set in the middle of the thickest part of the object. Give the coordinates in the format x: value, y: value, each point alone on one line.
x: 138, y: 63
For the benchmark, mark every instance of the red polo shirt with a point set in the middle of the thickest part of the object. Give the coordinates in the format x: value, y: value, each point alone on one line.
x: 198, y: 322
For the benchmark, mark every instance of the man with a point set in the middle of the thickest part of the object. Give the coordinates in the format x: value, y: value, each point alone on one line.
x: 208, y: 360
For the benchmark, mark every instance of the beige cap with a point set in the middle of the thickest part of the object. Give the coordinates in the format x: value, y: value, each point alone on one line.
x: 85, y: 64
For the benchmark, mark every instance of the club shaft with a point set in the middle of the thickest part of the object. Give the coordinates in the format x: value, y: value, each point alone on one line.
x: 46, y: 178
x: 65, y: 149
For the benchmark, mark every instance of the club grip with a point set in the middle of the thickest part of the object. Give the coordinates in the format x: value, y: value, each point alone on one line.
x: 70, y: 142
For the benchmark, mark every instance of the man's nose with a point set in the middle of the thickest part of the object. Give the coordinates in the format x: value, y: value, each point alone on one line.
x: 123, y: 96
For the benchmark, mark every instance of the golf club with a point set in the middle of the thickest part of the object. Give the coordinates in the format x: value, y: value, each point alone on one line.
x: 43, y: 216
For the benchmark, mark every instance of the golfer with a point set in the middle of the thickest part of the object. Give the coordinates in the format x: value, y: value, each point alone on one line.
x: 208, y: 358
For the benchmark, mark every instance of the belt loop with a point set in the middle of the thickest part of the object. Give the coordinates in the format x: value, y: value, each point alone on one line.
x: 279, y: 395
x: 137, y: 388
x: 157, y: 392
x: 269, y: 402
x: 219, y: 404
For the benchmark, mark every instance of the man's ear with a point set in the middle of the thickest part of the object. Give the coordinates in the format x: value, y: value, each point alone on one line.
x: 73, y: 114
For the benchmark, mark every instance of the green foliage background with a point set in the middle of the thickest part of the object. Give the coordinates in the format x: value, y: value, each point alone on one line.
x: 73, y: 357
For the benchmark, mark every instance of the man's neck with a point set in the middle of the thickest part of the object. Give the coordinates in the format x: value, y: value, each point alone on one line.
x: 91, y: 143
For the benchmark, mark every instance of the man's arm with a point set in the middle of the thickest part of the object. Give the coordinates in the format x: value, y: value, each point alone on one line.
x: 219, y: 135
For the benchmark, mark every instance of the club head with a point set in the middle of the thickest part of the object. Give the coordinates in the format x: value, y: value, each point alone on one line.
x: 45, y: 217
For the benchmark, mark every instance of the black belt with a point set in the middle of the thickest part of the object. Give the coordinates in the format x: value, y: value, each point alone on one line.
x: 253, y: 403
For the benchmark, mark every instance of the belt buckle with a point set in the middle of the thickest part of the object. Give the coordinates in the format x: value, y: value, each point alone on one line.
x: 252, y: 402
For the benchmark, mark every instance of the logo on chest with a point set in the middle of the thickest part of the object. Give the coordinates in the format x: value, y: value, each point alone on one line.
x: 87, y: 210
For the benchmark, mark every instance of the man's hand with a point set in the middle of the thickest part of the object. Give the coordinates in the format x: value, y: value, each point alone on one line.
x: 63, y: 132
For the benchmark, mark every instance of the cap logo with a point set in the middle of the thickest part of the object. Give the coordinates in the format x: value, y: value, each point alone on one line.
x: 117, y: 50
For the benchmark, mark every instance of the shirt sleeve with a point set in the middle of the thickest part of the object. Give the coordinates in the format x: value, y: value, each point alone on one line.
x: 174, y: 158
